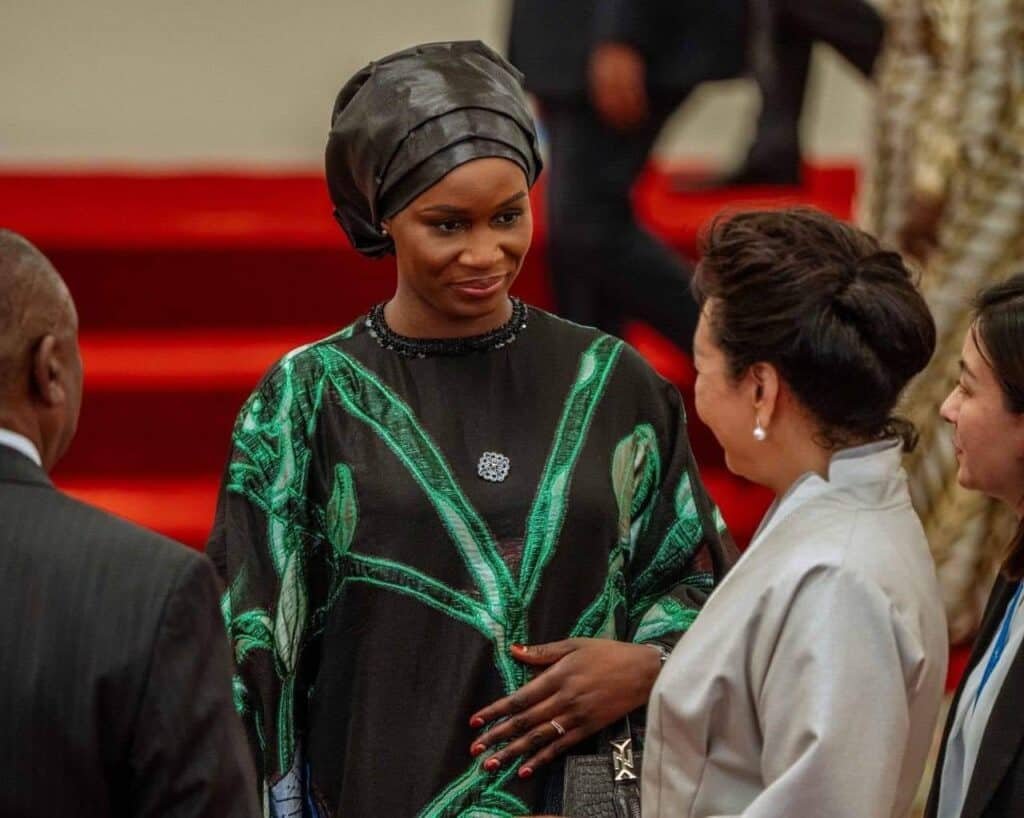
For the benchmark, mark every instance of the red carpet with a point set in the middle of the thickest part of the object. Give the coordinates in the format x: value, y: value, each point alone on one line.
x: 190, y: 286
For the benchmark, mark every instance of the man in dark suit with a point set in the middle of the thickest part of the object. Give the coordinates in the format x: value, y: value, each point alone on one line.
x: 115, y: 690
x: 607, y: 75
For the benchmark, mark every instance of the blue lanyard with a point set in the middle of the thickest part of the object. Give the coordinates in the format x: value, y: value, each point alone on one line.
x: 1000, y: 642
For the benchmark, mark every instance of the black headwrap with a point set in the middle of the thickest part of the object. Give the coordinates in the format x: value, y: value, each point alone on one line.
x: 405, y: 121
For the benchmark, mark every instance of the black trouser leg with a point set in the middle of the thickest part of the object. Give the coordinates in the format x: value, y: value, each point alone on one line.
x: 606, y: 267
x: 854, y: 28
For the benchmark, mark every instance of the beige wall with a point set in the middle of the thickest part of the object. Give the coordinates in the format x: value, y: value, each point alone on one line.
x: 243, y: 82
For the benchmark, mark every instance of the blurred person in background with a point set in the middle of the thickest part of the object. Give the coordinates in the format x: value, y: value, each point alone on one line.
x: 607, y: 76
x: 782, y: 36
x: 948, y: 189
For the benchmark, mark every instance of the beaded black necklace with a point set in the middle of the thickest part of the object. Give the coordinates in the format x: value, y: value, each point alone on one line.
x: 428, y: 347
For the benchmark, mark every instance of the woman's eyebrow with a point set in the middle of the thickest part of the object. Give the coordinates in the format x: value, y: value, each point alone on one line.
x: 458, y: 211
x: 513, y: 199
x: 447, y: 209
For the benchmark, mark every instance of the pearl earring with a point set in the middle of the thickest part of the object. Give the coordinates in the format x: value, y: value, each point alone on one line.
x: 383, y: 230
x: 759, y: 433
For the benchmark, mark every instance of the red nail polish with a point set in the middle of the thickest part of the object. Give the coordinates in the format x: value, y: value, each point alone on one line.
x: 477, y: 748
x: 525, y: 772
x: 491, y: 765
x: 476, y: 722
x: 520, y: 648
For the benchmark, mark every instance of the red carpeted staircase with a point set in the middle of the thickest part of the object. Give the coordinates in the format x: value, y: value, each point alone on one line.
x: 190, y: 286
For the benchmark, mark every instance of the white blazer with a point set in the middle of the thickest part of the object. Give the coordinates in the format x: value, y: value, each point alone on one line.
x: 809, y: 685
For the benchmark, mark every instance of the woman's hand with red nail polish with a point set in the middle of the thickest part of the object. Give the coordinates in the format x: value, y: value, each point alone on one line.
x: 585, y: 685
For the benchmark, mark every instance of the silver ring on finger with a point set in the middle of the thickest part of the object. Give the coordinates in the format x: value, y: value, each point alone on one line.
x: 558, y: 728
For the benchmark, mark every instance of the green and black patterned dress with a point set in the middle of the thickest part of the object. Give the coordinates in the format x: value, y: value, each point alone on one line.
x: 389, y: 525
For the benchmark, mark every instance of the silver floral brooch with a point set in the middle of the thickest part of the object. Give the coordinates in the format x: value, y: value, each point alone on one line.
x: 493, y: 467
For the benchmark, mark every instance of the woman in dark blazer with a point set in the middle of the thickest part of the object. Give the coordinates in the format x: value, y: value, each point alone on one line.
x: 980, y: 771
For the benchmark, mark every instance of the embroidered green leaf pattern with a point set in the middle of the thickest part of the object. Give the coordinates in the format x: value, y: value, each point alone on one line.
x: 598, y: 620
x: 286, y: 723
x: 225, y: 610
x: 675, y: 550
x: 251, y: 631
x: 401, y: 579
x: 273, y: 465
x: 290, y: 620
x: 622, y: 483
x: 271, y: 468
x: 719, y: 521
x: 676, y: 547
x: 239, y: 695
x: 636, y: 469
x: 544, y: 525
x: 504, y: 600
x: 369, y: 400
x: 666, y: 616
x: 342, y: 511
x: 477, y: 792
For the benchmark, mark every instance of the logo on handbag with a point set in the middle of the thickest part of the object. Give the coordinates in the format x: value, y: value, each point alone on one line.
x: 622, y: 760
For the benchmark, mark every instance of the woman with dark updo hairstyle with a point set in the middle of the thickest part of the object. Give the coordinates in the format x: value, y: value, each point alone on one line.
x: 461, y: 535
x: 810, y: 683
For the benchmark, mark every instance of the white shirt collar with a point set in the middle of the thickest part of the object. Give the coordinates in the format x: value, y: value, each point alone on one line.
x: 21, y: 444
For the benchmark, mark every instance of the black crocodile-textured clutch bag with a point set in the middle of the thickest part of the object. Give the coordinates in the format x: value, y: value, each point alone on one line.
x: 605, y: 785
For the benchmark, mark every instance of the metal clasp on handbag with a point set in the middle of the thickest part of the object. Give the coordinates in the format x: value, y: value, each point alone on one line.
x: 622, y: 760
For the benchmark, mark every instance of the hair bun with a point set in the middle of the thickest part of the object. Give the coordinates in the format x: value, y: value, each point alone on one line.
x: 837, y: 315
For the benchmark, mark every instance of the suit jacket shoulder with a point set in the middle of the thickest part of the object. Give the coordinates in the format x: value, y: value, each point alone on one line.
x: 86, y: 597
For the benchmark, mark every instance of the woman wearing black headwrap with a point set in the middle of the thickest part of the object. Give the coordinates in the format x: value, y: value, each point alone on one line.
x: 411, y: 500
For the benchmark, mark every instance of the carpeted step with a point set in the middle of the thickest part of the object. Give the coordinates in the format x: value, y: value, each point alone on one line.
x: 222, y: 250
x: 164, y: 402
x: 181, y: 508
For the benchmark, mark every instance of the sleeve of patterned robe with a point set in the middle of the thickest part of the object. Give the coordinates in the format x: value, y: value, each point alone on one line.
x: 265, y: 543
x: 679, y: 548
